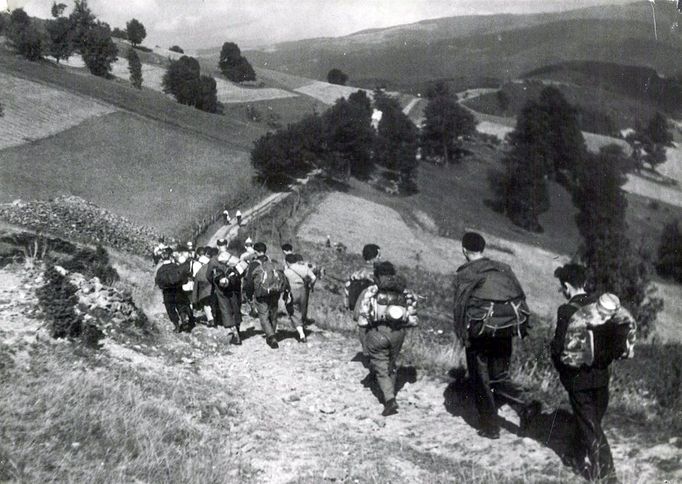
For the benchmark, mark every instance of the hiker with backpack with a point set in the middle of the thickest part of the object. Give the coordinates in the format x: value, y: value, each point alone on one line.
x: 301, y: 279
x: 203, y: 297
x: 265, y: 283
x: 385, y: 311
x: 591, y: 332
x: 170, y: 277
x: 225, y: 271
x: 490, y: 310
x: 359, y: 281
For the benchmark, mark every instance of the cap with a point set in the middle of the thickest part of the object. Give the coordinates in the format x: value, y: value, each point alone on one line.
x: 473, y: 242
x: 221, y: 243
x: 248, y: 241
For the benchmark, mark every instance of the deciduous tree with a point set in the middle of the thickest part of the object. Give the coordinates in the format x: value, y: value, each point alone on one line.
x: 98, y: 50
x: 337, y: 76
x: 233, y: 65
x: 60, y: 44
x: 136, y: 31
x: 24, y: 35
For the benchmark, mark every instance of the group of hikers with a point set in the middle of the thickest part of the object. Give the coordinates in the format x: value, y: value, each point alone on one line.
x: 490, y: 310
x: 217, y: 281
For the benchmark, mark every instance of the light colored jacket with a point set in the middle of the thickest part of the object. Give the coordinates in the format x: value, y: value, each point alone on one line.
x: 299, y: 274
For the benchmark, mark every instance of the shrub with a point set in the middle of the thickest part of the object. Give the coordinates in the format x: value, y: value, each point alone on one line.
x: 24, y: 36
x: 176, y: 48
x: 93, y: 263
x: 135, y: 68
x: 233, y: 65
x: 669, y: 262
x: 119, y: 34
x: 57, y: 299
x: 337, y: 76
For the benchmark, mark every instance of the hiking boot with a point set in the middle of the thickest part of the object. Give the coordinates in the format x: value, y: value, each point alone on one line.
x: 492, y: 434
x: 528, y: 414
x: 390, y: 408
x: 272, y: 342
x: 236, y: 339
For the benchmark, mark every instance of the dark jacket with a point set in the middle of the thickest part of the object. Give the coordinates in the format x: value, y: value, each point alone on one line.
x: 170, y: 277
x: 216, y: 269
x: 471, y: 292
x: 575, y: 379
x: 248, y: 284
x: 203, y: 288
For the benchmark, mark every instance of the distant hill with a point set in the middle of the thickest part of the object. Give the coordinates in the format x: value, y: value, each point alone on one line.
x: 495, y: 46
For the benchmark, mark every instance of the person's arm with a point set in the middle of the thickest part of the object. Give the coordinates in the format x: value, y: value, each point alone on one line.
x: 556, y: 347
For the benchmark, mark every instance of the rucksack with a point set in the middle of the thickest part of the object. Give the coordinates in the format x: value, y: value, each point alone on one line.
x: 592, y: 339
x: 268, y: 279
x: 226, y: 278
x: 498, y: 308
x: 389, y: 304
x: 169, y: 276
x: 355, y: 288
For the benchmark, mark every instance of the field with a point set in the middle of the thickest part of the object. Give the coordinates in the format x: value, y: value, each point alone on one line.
x: 154, y: 174
x: 152, y: 77
x: 33, y: 111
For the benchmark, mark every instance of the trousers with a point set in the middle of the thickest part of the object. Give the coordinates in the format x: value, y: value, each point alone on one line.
x: 180, y: 314
x: 266, y: 307
x: 383, y: 345
x: 488, y: 361
x: 589, y: 440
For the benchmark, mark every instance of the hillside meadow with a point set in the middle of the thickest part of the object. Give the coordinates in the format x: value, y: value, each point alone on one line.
x: 152, y: 173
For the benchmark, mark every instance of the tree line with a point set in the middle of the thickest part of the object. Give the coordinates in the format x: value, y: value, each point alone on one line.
x: 345, y: 141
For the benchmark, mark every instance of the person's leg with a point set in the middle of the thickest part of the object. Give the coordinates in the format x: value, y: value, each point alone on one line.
x: 379, y: 352
x: 397, y: 339
x: 606, y: 467
x: 305, y: 298
x: 173, y: 315
x: 585, y: 409
x: 263, y: 308
x: 293, y: 308
x: 477, y: 363
x: 186, y: 316
x: 273, y: 306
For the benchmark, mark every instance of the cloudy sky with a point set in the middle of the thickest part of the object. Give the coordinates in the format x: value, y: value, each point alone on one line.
x: 208, y: 23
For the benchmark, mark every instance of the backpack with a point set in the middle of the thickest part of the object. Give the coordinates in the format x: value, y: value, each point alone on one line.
x: 226, y: 278
x: 355, y: 288
x: 497, y: 307
x: 592, y: 340
x: 389, y: 304
x: 169, y: 276
x: 268, y: 279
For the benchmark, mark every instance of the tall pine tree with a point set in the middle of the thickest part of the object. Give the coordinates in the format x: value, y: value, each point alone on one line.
x: 135, y: 68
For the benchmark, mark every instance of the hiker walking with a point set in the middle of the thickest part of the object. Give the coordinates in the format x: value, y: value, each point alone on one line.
x: 586, y: 376
x: 265, y: 283
x: 490, y: 309
x: 301, y: 279
x: 239, y: 218
x: 360, y: 280
x: 203, y: 296
x: 224, y: 271
x: 226, y: 215
x: 170, y: 277
x: 386, y: 310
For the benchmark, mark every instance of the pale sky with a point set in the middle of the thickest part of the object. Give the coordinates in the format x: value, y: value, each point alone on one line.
x: 208, y: 23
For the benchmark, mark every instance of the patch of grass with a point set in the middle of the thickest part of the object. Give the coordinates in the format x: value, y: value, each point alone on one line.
x: 71, y: 420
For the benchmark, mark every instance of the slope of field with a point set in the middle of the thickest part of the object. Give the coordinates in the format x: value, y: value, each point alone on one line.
x: 489, y: 49
x: 153, y: 174
x: 32, y: 111
x: 152, y: 77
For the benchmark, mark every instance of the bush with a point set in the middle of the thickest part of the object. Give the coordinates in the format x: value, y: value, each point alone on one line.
x: 24, y: 36
x: 57, y: 299
x: 184, y: 81
x: 93, y: 263
x: 233, y: 65
x: 119, y: 34
x: 135, y: 68
x: 337, y: 76
x: 669, y: 262
x: 176, y: 48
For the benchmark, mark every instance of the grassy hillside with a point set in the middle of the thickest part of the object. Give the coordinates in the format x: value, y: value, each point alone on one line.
x: 496, y: 47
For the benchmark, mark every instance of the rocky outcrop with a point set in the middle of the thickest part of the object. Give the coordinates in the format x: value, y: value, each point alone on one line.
x: 74, y: 218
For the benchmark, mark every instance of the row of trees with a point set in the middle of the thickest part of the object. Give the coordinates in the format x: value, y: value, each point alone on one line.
x: 343, y: 142
x: 79, y: 32
x: 547, y: 144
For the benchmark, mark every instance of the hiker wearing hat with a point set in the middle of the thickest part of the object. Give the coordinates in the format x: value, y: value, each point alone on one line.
x: 490, y: 309
x: 249, y: 252
x: 360, y: 280
x: 225, y: 271
x: 203, y: 296
x: 385, y: 310
x: 170, y: 276
x: 588, y: 384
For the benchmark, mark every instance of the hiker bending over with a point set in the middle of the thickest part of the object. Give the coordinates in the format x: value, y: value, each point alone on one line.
x: 490, y: 310
x: 589, y: 336
x: 170, y: 277
x: 385, y: 311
